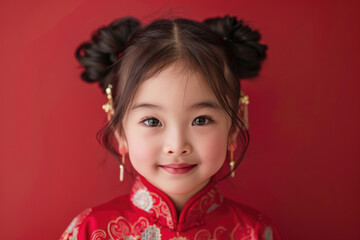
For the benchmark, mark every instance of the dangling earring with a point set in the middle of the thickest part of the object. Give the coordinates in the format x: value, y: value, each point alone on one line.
x: 243, y: 103
x: 232, y: 162
x: 108, y: 107
x: 122, y: 164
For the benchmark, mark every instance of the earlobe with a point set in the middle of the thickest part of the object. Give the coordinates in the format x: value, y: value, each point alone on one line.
x: 123, y: 146
x: 232, y: 146
x: 232, y: 138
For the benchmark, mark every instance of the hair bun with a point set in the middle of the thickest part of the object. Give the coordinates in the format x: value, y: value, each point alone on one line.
x: 100, y: 53
x: 246, y: 52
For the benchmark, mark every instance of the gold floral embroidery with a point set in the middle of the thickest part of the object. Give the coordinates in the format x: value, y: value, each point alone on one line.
x: 98, y: 235
x: 178, y: 237
x: 239, y: 232
x: 207, y: 203
x: 243, y: 232
x: 156, y: 205
x: 160, y: 208
x: 218, y: 234
x: 120, y: 228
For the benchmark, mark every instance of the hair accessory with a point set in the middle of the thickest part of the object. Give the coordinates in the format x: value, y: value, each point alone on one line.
x: 244, y: 99
x: 122, y: 164
x: 244, y: 102
x: 108, y: 107
x: 232, y: 162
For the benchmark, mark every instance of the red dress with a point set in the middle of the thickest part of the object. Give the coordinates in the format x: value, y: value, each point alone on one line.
x: 148, y: 213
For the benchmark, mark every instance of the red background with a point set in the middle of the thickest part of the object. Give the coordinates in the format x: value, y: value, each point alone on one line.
x: 302, y: 167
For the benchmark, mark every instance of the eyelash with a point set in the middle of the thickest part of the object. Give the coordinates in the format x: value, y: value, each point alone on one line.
x: 208, y: 120
x: 151, y: 118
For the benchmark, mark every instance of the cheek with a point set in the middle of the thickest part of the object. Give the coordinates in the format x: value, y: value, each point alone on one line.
x: 141, y: 149
x: 213, y: 147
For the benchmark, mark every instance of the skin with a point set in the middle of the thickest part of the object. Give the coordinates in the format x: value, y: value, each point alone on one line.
x: 175, y: 118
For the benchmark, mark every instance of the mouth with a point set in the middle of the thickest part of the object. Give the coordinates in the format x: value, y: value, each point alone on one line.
x: 180, y: 168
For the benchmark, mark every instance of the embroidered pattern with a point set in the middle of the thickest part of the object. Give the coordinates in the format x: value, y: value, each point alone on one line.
x: 161, y: 209
x: 151, y: 233
x: 207, y: 203
x: 219, y: 233
x: 98, y: 235
x: 130, y: 238
x: 143, y: 200
x: 243, y: 232
x: 151, y: 202
x: 137, y: 225
x: 121, y: 228
x: 75, y: 233
x: 71, y: 231
x: 268, y: 234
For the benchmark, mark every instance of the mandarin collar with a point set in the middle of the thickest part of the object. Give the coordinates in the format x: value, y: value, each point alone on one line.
x: 159, y: 208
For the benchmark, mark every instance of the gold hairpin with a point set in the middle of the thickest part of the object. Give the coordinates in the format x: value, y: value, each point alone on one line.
x: 244, y: 102
x: 109, y: 106
x: 244, y: 99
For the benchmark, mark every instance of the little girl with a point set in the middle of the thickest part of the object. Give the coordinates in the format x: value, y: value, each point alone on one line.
x: 177, y: 115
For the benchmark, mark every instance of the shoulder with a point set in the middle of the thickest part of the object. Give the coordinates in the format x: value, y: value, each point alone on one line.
x: 71, y: 231
x: 245, y: 212
x: 253, y: 219
x: 92, y: 218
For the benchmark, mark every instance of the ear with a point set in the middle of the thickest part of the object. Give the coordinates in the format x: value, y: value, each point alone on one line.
x: 234, y: 132
x: 243, y: 115
x: 121, y: 139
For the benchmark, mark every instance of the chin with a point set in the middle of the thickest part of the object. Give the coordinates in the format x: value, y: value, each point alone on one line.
x: 182, y: 187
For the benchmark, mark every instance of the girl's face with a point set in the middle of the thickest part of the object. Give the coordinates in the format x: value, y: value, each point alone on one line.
x: 176, y: 132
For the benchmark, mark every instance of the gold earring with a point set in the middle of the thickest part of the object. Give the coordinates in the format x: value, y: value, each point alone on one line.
x: 122, y: 164
x: 244, y: 102
x: 109, y: 106
x: 232, y: 162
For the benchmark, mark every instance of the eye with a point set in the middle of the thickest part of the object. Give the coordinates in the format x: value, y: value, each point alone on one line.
x: 202, y: 120
x: 152, y: 122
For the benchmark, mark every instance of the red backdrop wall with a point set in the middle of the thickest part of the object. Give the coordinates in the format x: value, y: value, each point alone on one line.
x: 302, y: 167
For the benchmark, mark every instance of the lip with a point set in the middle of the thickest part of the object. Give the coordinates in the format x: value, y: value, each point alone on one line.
x: 178, y: 168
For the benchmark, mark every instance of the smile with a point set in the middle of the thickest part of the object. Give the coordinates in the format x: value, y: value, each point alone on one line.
x: 180, y: 168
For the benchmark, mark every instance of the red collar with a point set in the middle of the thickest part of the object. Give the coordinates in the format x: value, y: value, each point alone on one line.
x: 157, y: 205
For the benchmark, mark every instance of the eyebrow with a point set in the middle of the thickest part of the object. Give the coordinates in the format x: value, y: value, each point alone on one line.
x: 145, y: 105
x: 205, y: 104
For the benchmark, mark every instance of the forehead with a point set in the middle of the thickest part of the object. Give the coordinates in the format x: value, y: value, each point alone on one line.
x: 175, y: 84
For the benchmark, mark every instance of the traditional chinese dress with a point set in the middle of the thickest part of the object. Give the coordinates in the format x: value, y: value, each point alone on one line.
x: 148, y: 213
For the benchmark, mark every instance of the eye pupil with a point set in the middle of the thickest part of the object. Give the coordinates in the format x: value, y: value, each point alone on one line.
x: 152, y: 122
x: 200, y: 121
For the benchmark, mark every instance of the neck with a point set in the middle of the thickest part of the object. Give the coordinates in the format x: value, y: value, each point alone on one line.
x: 180, y: 200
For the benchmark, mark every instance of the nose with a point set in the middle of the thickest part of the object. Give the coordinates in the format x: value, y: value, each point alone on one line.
x: 177, y: 143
